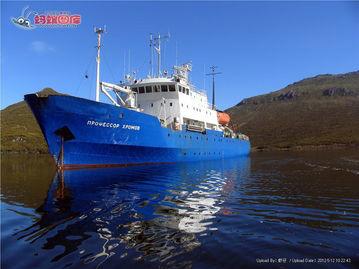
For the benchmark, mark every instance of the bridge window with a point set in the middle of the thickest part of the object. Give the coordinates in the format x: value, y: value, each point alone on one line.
x: 172, y: 88
x: 164, y: 88
x: 187, y: 91
x: 141, y: 90
x: 135, y: 89
x: 148, y: 89
x: 156, y: 88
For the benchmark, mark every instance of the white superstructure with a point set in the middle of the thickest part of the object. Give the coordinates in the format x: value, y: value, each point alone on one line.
x: 174, y: 100
x: 171, y: 98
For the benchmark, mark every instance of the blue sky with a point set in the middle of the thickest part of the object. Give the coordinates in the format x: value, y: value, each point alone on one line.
x: 258, y: 46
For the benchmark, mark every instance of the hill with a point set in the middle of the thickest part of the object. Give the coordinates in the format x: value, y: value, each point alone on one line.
x: 318, y: 111
x: 19, y: 129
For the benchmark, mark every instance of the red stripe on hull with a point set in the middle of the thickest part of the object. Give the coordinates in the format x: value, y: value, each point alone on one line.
x: 91, y: 166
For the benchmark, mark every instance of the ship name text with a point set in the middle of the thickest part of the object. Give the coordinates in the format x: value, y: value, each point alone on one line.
x: 103, y: 124
x: 113, y: 125
x: 131, y: 127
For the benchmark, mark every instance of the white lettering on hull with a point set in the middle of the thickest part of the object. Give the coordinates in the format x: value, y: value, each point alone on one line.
x: 103, y: 124
x: 113, y: 125
x: 131, y: 127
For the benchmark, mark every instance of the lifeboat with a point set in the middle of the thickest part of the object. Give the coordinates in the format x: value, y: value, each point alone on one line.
x: 223, y: 118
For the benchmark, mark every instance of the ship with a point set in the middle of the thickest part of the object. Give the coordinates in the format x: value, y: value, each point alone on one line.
x: 162, y: 118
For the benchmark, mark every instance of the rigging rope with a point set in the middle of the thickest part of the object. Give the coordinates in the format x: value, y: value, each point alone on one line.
x: 86, y: 76
x: 108, y: 67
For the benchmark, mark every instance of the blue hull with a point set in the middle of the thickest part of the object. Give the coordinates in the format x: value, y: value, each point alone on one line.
x: 97, y: 134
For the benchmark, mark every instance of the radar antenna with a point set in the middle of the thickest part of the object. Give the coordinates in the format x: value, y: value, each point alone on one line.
x: 213, y: 74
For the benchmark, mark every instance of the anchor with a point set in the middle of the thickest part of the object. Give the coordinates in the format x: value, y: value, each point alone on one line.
x: 65, y: 134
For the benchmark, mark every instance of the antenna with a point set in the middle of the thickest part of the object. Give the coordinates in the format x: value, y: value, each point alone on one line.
x: 98, y: 31
x: 213, y: 74
x: 156, y: 42
x: 151, y: 54
x: 204, y: 77
x: 129, y: 61
x: 124, y: 64
x: 176, y: 54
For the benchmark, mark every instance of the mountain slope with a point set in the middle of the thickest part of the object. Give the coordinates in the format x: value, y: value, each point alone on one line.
x: 323, y: 110
x: 19, y: 129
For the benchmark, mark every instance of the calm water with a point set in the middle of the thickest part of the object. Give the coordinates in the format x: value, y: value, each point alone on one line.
x: 225, y: 214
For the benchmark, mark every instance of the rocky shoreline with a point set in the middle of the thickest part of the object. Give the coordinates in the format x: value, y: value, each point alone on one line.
x: 305, y: 148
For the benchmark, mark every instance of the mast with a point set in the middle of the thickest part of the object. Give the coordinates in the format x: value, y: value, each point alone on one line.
x: 213, y: 74
x: 159, y: 56
x: 98, y: 31
x: 157, y: 46
x: 151, y: 52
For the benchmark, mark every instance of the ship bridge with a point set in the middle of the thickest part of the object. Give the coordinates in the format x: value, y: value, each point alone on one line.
x: 175, y: 101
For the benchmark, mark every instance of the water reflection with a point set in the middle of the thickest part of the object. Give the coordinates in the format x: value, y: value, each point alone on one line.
x: 25, y: 179
x: 202, y: 215
x: 154, y: 213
